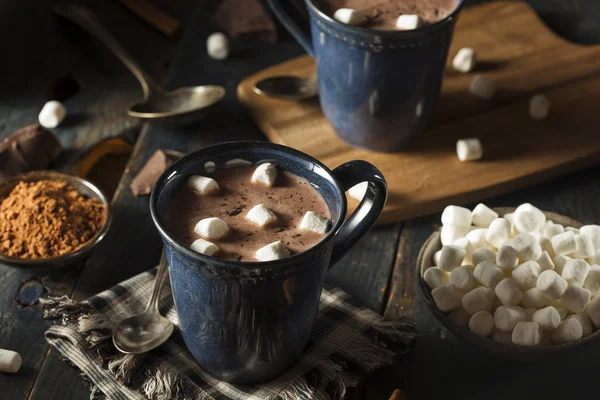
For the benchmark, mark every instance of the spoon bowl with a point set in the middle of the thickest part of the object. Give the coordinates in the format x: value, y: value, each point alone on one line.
x: 288, y: 87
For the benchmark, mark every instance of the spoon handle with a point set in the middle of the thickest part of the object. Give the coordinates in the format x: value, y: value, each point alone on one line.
x: 86, y: 19
x: 161, y: 275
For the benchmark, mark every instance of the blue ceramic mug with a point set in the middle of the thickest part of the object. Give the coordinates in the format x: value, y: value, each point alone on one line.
x: 247, y: 322
x: 378, y: 88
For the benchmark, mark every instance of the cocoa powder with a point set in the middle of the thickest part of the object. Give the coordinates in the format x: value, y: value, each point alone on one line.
x: 47, y: 219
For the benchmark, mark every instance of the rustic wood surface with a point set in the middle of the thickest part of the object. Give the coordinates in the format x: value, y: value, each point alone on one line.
x: 522, y: 57
x: 379, y: 272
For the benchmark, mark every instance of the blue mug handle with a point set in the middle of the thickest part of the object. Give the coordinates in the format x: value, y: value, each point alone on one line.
x: 290, y: 24
x: 367, y: 212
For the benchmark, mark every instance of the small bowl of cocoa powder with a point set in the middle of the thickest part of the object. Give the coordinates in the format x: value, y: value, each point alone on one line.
x: 50, y: 219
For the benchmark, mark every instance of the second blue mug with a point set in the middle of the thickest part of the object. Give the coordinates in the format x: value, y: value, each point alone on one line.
x: 378, y: 88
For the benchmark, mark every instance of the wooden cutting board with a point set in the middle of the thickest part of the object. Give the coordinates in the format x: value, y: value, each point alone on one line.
x: 523, y: 57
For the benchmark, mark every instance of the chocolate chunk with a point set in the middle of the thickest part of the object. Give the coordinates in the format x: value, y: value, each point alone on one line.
x: 144, y: 181
x: 238, y: 17
x: 237, y: 210
x: 62, y: 88
x: 28, y: 149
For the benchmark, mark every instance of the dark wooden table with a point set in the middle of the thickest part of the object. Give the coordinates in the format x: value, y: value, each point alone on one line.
x: 379, y: 272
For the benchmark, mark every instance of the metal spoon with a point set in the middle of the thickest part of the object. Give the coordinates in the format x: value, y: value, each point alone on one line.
x: 288, y: 87
x: 149, y: 330
x: 188, y: 103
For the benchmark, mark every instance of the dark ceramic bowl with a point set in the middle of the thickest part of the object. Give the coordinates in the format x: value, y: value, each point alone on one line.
x: 85, y: 187
x: 507, y: 351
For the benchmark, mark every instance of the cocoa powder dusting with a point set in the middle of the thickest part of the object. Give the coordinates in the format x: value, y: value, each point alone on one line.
x: 47, y: 219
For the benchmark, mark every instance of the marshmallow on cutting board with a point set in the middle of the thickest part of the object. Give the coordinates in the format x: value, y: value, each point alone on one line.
x: 469, y: 149
x: 465, y: 60
x: 217, y: 46
x: 10, y: 361
x: 52, y: 114
x: 482, y: 87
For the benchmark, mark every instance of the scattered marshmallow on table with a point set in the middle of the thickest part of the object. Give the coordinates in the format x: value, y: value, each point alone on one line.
x: 545, y: 262
x: 435, y: 277
x: 551, y: 284
x: 534, y: 298
x: 451, y: 257
x: 508, y: 292
x: 407, y: 22
x: 446, y: 297
x: 464, y: 61
x: 526, y: 274
x: 585, y: 246
x: 498, y: 232
x: 481, y: 255
x: 469, y: 149
x: 586, y: 325
x: 507, y: 258
x: 217, y: 46
x: 463, y: 279
x: 482, y: 323
x: 265, y: 173
x: 564, y: 243
x: 527, y: 334
x: 479, y: 299
x: 592, y: 231
x: 568, y: 330
x: 488, y: 274
x: 593, y: 311
x: 202, y: 185
x: 10, y: 361
x: 575, y: 298
x: 506, y: 318
x: 204, y: 247
x: 272, y: 251
x: 357, y: 192
x: 52, y: 114
x: 539, y: 107
x: 451, y: 234
x: 349, y: 16
x: 483, y: 216
x: 592, y: 281
x: 315, y: 223
x: 575, y: 271
x: 482, y: 87
x: 211, y: 228
x: 526, y: 245
x: 547, y: 317
x: 261, y: 215
x: 457, y: 216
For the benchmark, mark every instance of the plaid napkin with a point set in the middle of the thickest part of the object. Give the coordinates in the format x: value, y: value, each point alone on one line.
x: 345, y: 340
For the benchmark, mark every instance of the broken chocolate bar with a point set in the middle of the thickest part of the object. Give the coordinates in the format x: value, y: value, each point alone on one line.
x: 239, y: 17
x: 144, y: 181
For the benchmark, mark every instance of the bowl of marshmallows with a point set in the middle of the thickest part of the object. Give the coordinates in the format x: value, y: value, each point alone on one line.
x: 519, y: 283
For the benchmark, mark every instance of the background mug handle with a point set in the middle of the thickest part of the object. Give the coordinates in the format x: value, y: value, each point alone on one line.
x: 369, y: 209
x: 302, y: 35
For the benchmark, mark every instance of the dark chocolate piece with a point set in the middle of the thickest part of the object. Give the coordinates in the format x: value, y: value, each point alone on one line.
x: 62, y: 88
x: 144, y: 180
x: 236, y: 211
x: 238, y: 17
x: 28, y: 149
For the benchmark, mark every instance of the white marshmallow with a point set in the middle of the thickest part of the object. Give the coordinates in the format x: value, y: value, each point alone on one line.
x: 592, y: 281
x: 463, y: 279
x: 545, y: 262
x: 204, y: 247
x: 529, y: 313
x: 210, y: 166
x: 508, y: 292
x: 527, y: 334
x: 564, y: 243
x: 585, y: 246
x: 465, y: 60
x: 211, y: 228
x: 451, y: 234
x: 10, y: 361
x: 593, y: 311
x: 482, y: 323
x: 469, y: 149
x: 539, y: 107
x: 559, y: 263
x: 505, y: 318
x: 498, y: 232
x: 451, y: 257
x: 509, y: 217
x: 237, y: 162
x: 507, y: 258
x: 477, y: 239
x: 272, y: 251
x: 202, y: 185
x: 501, y: 336
x: 483, y: 215
x: 469, y: 249
x: 217, y: 46
x: 265, y: 173
x: 547, y: 317
x: 349, y: 16
x: 586, y: 325
x: 407, y: 22
x: 261, y: 215
x: 457, y: 216
x: 538, y: 213
x: 478, y: 299
x: 575, y: 298
x: 562, y: 311
x: 575, y: 271
x: 594, y: 260
x: 551, y: 229
x: 526, y: 222
x: 481, y: 255
x: 435, y: 277
x: 551, y: 284
x: 544, y: 243
x: 315, y: 223
x: 572, y: 229
x: 357, y: 192
x: 534, y: 298
x: 526, y: 274
x: 568, y: 330
x: 488, y: 274
x: 446, y: 297
x: 527, y: 247
x: 436, y: 257
x: 482, y: 87
x: 592, y: 231
x: 460, y: 317
x: 52, y: 114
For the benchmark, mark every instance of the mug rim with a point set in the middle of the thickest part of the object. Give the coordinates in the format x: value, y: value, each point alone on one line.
x: 254, y: 265
x: 386, y: 32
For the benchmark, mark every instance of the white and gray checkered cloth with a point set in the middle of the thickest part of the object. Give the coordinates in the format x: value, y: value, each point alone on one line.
x: 345, y: 340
